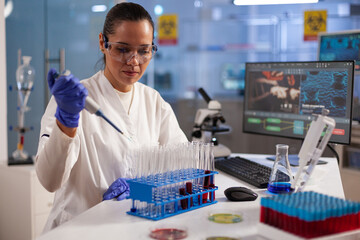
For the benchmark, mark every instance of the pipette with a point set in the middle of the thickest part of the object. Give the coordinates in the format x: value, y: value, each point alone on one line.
x: 92, y: 107
x: 312, y: 148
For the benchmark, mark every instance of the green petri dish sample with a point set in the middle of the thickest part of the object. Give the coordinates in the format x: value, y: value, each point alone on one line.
x: 225, y: 218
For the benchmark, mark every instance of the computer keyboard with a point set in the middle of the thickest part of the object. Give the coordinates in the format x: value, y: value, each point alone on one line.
x: 246, y: 170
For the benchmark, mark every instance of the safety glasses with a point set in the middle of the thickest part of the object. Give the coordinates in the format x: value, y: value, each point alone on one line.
x: 125, y: 53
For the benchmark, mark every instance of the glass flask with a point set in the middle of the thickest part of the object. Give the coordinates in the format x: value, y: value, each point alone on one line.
x: 25, y: 75
x: 281, y: 176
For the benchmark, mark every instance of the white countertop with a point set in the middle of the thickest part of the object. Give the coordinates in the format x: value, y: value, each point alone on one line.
x: 109, y: 220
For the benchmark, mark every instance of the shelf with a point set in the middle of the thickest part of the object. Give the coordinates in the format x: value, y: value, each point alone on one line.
x: 231, y: 48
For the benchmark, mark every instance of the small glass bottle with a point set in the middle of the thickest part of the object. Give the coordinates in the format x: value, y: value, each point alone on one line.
x: 281, y: 176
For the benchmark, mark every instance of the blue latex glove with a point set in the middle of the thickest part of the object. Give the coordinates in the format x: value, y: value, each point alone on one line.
x: 119, y: 189
x: 70, y: 97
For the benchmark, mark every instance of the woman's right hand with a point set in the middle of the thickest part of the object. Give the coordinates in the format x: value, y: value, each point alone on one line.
x: 70, y: 97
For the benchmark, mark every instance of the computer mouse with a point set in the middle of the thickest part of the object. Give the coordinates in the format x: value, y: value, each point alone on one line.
x: 240, y: 194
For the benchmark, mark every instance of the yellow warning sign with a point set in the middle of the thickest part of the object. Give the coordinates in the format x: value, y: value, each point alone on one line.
x: 168, y: 29
x: 314, y: 22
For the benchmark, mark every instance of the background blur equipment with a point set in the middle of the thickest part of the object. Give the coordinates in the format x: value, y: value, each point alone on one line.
x: 25, y: 75
x: 207, y: 125
x: 311, y: 150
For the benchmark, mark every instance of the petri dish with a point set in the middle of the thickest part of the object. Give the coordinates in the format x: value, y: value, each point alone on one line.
x: 168, y: 233
x: 225, y: 217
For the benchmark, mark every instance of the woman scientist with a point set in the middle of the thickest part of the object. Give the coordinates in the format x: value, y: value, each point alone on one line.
x: 80, y: 156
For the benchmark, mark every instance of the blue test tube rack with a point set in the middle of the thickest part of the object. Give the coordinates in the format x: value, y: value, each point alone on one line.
x: 143, y: 189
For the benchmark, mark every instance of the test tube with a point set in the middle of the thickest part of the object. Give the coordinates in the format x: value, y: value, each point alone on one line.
x: 161, y: 179
x: 146, y: 175
x: 153, y: 179
x: 137, y: 173
x: 206, y: 165
x: 195, y: 161
x: 189, y: 171
x: 167, y: 175
x: 201, y: 164
x: 212, y: 168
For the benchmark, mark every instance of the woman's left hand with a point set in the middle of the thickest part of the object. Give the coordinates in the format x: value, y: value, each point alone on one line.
x: 119, y: 189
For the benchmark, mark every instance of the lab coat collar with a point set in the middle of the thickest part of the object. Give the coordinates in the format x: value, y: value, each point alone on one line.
x: 112, y: 97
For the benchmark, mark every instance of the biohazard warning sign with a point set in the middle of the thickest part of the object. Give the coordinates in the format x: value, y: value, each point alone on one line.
x: 168, y: 30
x: 314, y: 22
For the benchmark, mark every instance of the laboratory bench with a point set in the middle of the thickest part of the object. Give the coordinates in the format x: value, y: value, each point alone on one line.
x: 109, y: 220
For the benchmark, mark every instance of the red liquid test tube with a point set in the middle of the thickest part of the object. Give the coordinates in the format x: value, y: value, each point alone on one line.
x: 189, y: 191
x: 183, y: 202
x: 206, y: 186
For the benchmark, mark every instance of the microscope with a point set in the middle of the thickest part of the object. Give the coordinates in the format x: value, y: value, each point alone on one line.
x: 207, y: 125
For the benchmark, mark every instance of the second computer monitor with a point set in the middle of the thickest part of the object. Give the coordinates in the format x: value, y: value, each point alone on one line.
x: 340, y: 46
x: 281, y: 97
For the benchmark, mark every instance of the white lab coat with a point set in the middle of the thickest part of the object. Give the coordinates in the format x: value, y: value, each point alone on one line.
x: 81, y: 169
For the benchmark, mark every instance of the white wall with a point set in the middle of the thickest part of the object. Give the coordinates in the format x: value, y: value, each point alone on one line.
x: 3, y: 88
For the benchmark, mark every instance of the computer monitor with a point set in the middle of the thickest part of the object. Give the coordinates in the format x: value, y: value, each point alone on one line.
x: 339, y: 46
x: 280, y: 97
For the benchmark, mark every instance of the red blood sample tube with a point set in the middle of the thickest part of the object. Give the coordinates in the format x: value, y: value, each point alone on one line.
x: 189, y: 191
x: 183, y: 202
x: 206, y: 185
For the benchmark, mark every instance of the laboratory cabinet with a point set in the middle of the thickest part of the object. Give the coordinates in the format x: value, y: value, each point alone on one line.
x: 349, y: 165
x: 24, y: 203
